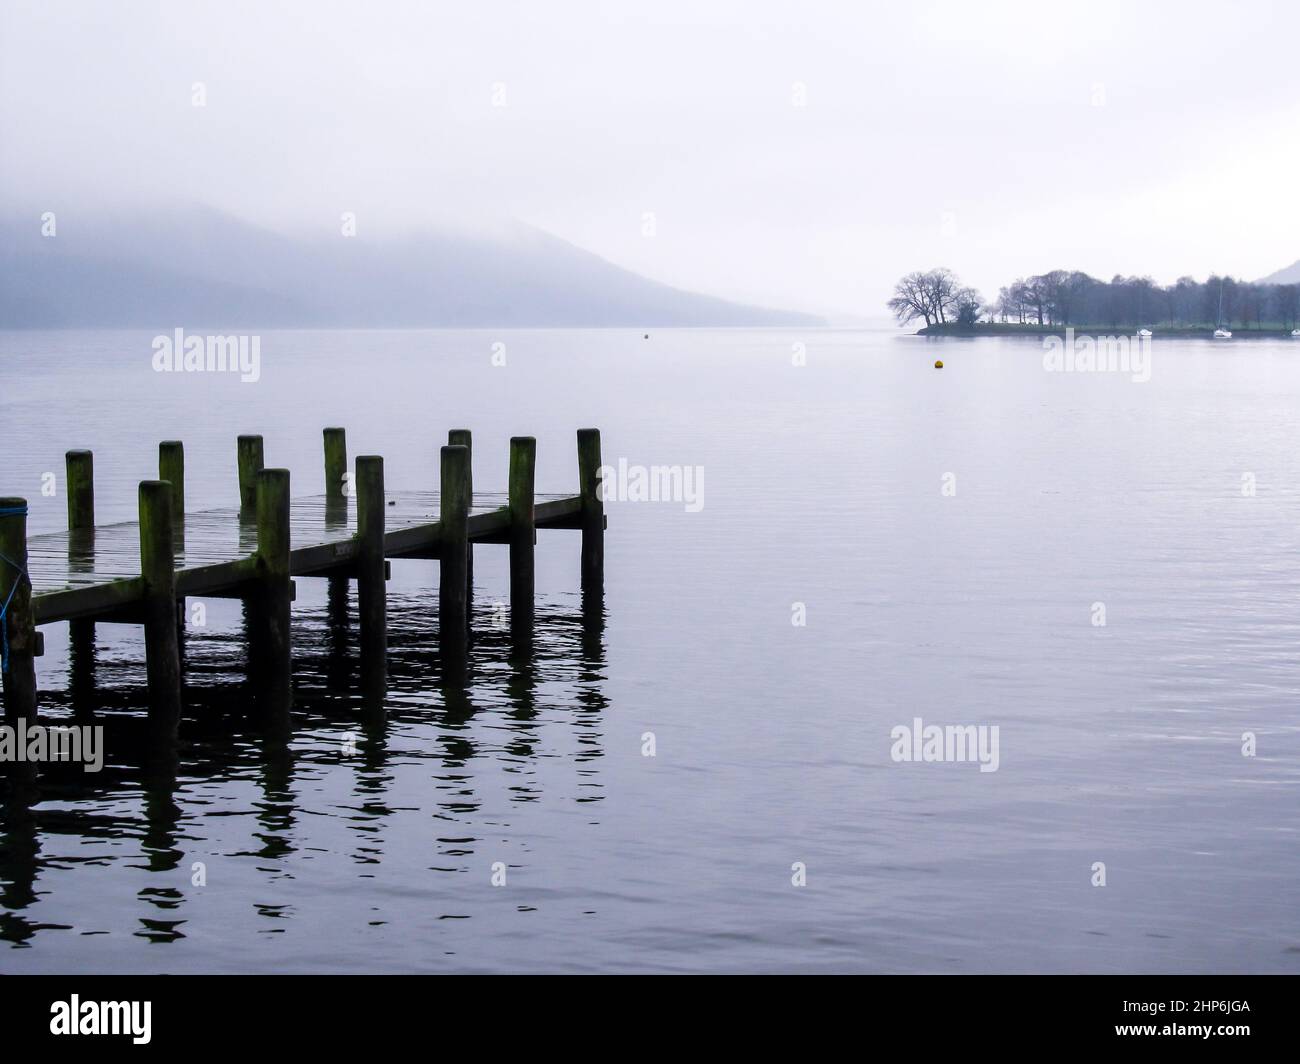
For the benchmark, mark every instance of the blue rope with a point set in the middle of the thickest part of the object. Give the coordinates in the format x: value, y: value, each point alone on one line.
x: 10, y: 511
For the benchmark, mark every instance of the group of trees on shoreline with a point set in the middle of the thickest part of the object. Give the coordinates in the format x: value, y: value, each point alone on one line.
x: 937, y: 297
x: 1070, y: 297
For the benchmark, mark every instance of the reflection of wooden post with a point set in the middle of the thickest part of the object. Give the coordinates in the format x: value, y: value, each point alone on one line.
x: 593, y: 509
x: 453, y: 551
x: 523, y: 531
x: 80, y: 483
x: 19, y: 659
x: 251, y: 462
x: 372, y: 597
x: 158, y: 568
x: 463, y: 437
x: 272, y: 597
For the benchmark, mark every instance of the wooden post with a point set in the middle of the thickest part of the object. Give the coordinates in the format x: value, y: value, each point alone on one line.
x: 463, y: 438
x: 337, y: 585
x: 271, y: 602
x: 80, y: 484
x: 593, y: 509
x: 523, y: 532
x: 81, y: 490
x: 372, y: 598
x: 18, y: 662
x: 171, y: 468
x: 336, y: 468
x: 158, y: 568
x: 250, y: 465
x: 453, y: 551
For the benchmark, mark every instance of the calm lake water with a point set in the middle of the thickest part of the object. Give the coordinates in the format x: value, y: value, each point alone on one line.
x: 1119, y: 744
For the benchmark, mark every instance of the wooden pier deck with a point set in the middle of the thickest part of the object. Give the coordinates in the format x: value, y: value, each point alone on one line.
x: 78, y: 576
x: 140, y: 572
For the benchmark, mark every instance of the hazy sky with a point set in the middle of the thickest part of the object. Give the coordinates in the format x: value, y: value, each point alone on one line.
x: 796, y: 154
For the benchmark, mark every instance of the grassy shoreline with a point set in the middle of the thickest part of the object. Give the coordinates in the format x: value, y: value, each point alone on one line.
x: 1013, y: 329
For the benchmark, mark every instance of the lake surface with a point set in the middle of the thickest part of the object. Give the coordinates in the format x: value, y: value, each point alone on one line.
x: 824, y: 486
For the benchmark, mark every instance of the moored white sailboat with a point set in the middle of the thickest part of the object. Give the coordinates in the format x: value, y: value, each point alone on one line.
x: 1220, y: 333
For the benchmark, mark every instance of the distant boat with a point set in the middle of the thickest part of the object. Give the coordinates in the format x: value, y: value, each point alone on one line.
x: 1144, y: 332
x: 1220, y: 333
x: 1295, y: 332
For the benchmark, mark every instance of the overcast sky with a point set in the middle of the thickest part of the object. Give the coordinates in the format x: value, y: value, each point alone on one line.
x: 796, y: 154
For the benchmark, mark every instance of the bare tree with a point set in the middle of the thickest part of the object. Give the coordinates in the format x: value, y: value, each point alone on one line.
x: 911, y: 299
x: 942, y: 286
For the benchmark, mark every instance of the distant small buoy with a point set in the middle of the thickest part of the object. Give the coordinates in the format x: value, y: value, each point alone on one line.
x: 392, y: 503
x: 938, y: 365
x: 647, y: 336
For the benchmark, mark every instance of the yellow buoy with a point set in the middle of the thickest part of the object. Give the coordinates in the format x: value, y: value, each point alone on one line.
x: 938, y: 365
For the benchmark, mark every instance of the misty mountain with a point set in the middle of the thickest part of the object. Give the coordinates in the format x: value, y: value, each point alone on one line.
x: 203, y: 268
x: 1290, y: 275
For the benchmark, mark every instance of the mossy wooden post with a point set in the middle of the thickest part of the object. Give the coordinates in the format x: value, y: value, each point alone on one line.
x: 81, y: 491
x: 372, y: 598
x: 337, y: 489
x: 336, y: 470
x: 80, y: 486
x: 19, y: 660
x: 171, y: 468
x: 523, y: 531
x: 158, y: 569
x: 592, y: 520
x: 463, y: 438
x: 251, y: 461
x: 453, y: 551
x: 274, y: 592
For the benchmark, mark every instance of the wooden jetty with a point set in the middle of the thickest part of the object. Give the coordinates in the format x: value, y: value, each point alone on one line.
x: 142, y: 572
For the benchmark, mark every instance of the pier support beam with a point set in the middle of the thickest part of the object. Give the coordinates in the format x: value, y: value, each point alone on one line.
x: 523, y: 532
x: 171, y: 468
x: 336, y: 470
x: 19, y: 658
x: 337, y: 489
x: 463, y: 438
x: 158, y: 569
x: 592, y: 519
x: 79, y: 483
x: 453, y: 551
x: 372, y: 596
x: 251, y: 462
x: 271, y: 649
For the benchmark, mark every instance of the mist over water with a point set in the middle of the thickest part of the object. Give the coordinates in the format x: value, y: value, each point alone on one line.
x: 825, y: 489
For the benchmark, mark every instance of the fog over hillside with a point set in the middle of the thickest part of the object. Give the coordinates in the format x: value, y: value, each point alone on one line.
x: 203, y: 267
x: 1289, y: 275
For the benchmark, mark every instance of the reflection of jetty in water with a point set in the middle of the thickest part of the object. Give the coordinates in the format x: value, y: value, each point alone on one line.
x: 503, y: 703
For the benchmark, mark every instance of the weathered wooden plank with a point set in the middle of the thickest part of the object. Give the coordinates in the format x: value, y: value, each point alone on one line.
x: 218, y: 559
